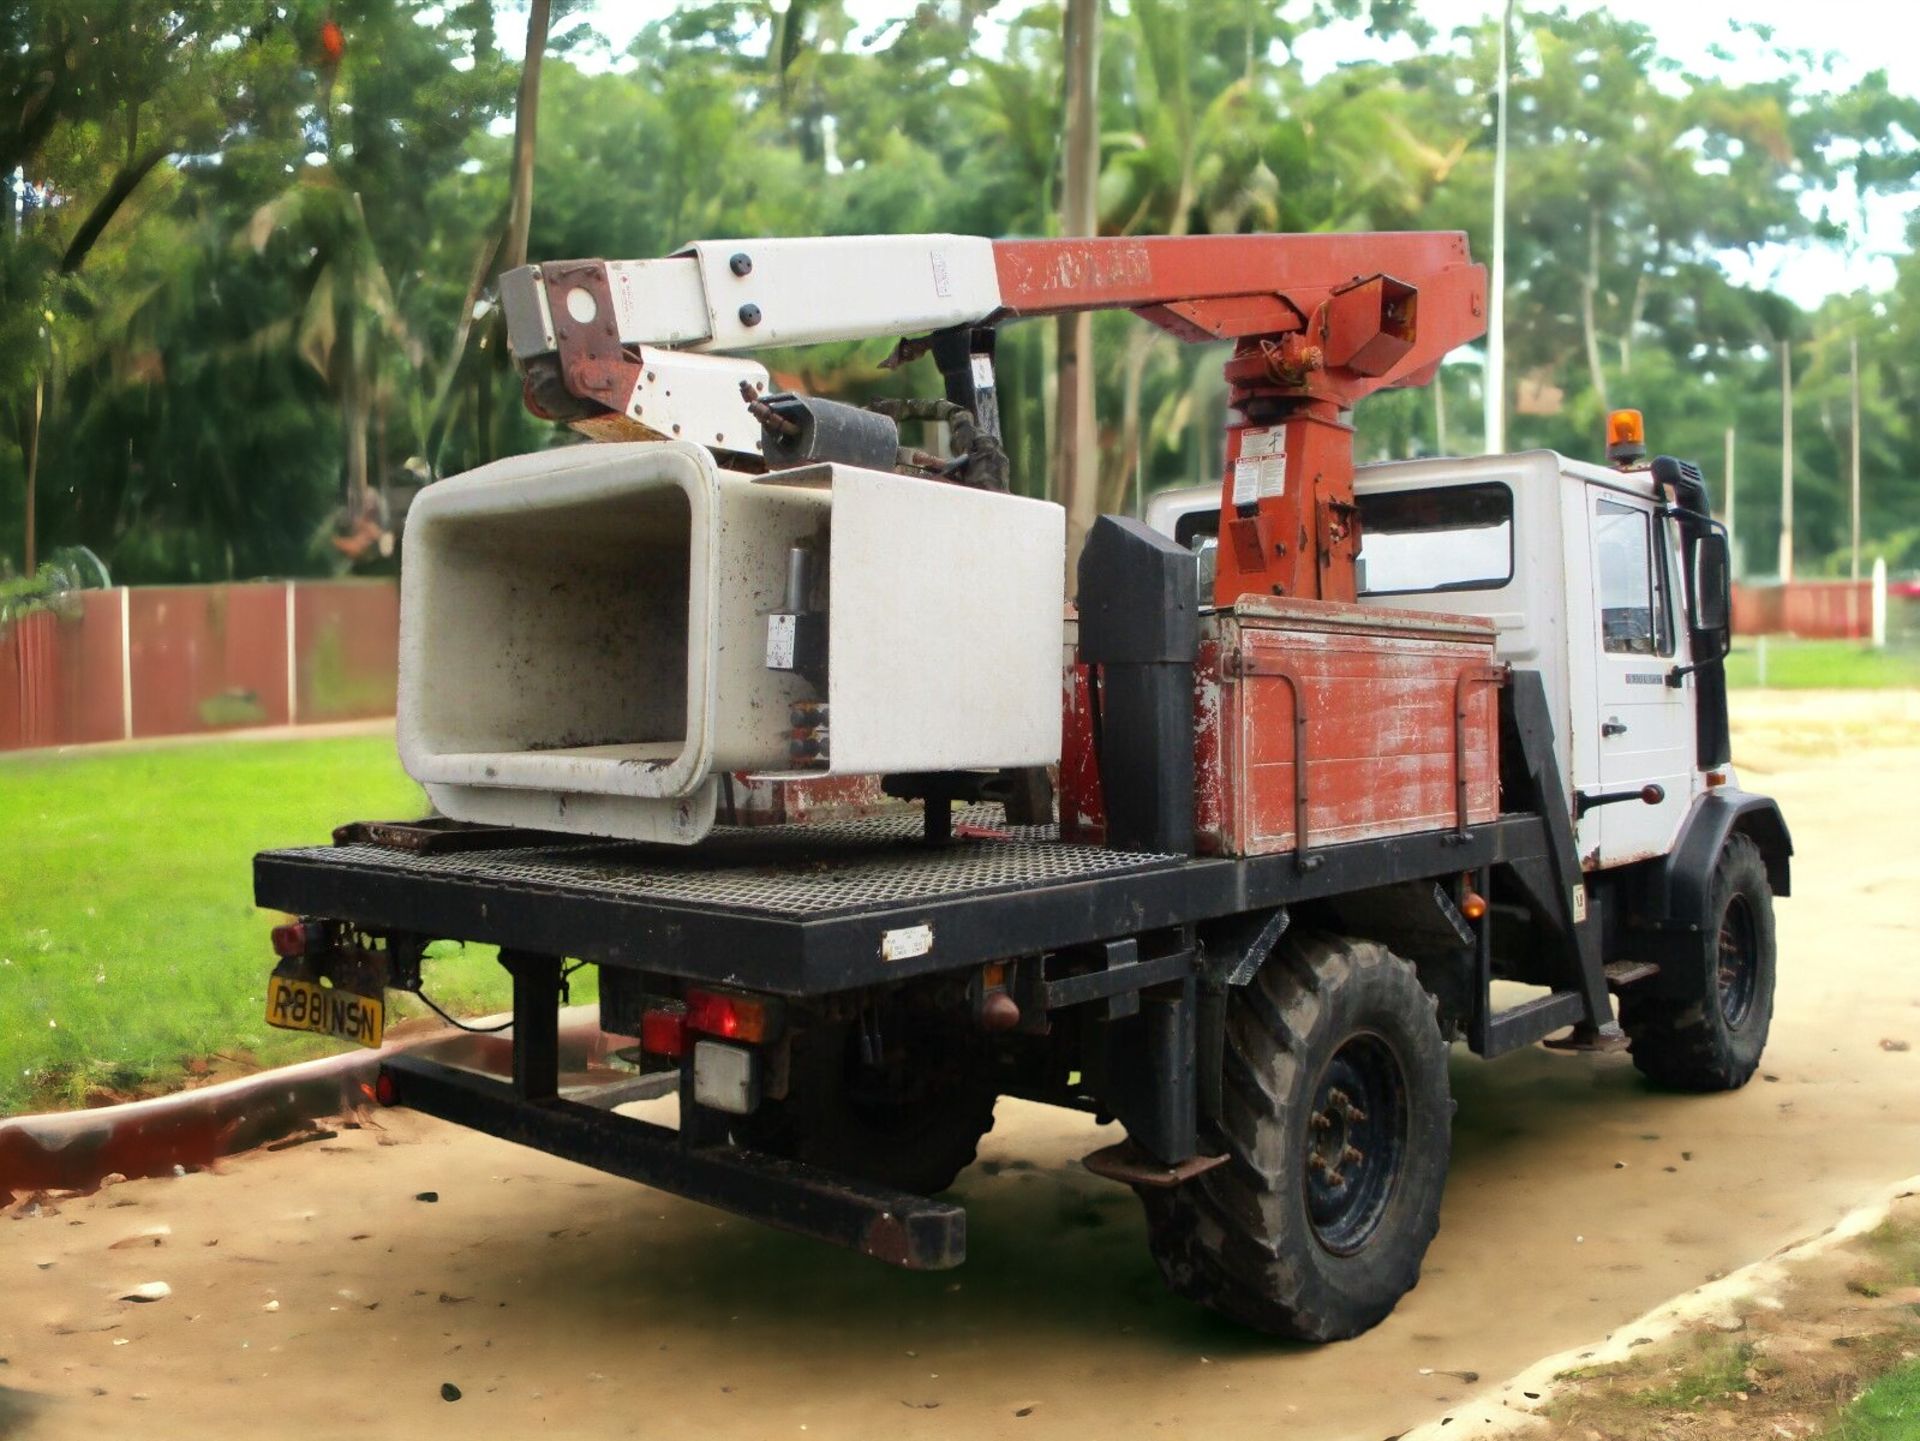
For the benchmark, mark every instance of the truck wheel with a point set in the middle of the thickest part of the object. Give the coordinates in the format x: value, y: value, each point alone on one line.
x: 1337, y: 1123
x: 912, y: 1122
x: 1702, y: 1024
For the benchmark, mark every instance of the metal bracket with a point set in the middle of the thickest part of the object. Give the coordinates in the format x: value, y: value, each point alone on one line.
x: 1495, y: 675
x: 437, y: 835
x: 891, y: 1226
x: 1234, y: 949
x: 592, y: 360
x: 1121, y: 981
x: 1128, y: 1164
x: 1245, y: 663
x: 536, y: 1023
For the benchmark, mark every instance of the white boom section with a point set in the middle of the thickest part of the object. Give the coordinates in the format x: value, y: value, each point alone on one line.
x: 677, y: 396
x: 727, y: 295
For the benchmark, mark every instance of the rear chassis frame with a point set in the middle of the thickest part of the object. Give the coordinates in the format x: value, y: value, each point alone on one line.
x: 805, y: 912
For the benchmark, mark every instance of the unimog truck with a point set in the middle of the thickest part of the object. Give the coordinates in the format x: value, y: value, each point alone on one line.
x: 780, y: 712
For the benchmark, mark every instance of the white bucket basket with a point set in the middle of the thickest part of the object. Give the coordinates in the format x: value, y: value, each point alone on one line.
x: 584, y: 633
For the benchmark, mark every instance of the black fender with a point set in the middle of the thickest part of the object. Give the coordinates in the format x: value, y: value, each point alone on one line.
x: 1686, y: 876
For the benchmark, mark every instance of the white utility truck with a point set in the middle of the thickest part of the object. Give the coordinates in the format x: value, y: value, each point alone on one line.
x: 790, y: 729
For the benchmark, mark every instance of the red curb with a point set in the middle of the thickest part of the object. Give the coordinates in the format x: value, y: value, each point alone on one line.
x: 189, y: 1130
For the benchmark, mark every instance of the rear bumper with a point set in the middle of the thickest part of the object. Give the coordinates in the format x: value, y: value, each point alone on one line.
x: 892, y: 1226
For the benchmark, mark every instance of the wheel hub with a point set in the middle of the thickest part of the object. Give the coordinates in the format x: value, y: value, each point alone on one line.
x: 1738, y: 962
x: 1355, y: 1143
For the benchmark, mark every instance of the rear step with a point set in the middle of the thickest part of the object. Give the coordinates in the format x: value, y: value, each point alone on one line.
x: 892, y: 1226
x: 1532, y: 1021
x: 1625, y: 973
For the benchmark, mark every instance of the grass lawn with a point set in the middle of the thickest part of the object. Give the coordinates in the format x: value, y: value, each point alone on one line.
x: 1821, y: 665
x: 130, y: 948
x: 1889, y: 1410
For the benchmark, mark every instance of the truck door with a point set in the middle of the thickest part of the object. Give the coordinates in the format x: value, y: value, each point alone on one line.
x: 1644, y: 725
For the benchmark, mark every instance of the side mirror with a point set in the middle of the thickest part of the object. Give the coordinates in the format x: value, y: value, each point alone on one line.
x: 1712, y: 582
x: 1710, y: 568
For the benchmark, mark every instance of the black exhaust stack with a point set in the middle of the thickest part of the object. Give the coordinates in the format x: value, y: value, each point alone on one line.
x: 1140, y: 634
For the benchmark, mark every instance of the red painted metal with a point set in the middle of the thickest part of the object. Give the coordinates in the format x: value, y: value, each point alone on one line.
x: 1319, y: 322
x: 12, y: 692
x: 90, y: 635
x: 1222, y: 286
x: 60, y: 673
x: 750, y: 801
x: 346, y: 649
x: 1380, y: 692
x: 1083, y: 809
x: 1811, y: 609
x: 37, y: 641
x: 201, y: 658
x: 1369, y: 697
x: 208, y: 657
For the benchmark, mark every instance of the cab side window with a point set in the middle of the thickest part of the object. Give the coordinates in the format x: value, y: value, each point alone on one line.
x: 1631, y: 582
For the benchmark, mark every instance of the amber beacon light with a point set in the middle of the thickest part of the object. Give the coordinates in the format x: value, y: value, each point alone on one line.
x: 1626, y: 438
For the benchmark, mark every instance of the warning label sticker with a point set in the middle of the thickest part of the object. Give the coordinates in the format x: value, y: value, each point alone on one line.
x: 1260, y: 472
x: 906, y: 943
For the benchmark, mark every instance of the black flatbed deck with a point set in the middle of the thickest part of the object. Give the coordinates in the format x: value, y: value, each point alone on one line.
x: 801, y: 910
x: 809, y: 910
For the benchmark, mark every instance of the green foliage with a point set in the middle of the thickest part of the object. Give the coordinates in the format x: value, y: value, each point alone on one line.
x: 58, y: 577
x: 1889, y: 1409
x: 1719, y: 1371
x: 198, y: 419
x: 255, y: 282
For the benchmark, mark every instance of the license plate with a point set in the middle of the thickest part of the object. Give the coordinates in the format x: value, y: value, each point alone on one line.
x: 296, y: 1005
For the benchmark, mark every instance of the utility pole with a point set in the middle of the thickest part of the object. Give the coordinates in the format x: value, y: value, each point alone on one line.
x: 1733, y: 543
x: 1076, y: 449
x: 1853, y: 355
x: 1786, y: 462
x: 1496, y: 384
x: 1439, y: 413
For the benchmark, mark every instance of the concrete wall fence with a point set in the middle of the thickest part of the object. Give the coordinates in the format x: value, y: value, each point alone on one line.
x: 129, y: 663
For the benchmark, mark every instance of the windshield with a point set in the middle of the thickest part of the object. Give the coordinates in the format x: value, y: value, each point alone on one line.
x: 1450, y: 537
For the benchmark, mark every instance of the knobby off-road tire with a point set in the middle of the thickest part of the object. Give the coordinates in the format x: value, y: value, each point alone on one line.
x: 1338, y: 1126
x: 1702, y: 1024
x: 915, y: 1131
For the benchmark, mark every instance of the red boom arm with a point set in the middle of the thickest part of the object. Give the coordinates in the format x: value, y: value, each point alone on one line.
x: 1317, y: 321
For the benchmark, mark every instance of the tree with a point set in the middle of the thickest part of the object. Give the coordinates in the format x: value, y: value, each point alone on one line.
x: 235, y: 98
x: 106, y: 94
x: 206, y: 406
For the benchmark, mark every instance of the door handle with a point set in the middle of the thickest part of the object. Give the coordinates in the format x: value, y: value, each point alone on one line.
x: 1584, y: 801
x: 1613, y: 727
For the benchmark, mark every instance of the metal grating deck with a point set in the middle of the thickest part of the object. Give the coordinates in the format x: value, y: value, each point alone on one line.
x: 796, y: 871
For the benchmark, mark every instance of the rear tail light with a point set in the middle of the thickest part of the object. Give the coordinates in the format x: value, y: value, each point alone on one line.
x: 385, y: 1091
x: 294, y: 938
x: 664, y: 1032
x: 734, y: 1018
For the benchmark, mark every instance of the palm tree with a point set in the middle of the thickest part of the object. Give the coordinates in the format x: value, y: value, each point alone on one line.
x: 348, y: 327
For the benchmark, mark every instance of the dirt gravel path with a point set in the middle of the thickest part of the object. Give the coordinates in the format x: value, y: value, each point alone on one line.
x: 313, y: 1294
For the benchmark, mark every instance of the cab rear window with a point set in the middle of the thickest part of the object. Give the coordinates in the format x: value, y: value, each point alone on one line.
x: 1448, y: 537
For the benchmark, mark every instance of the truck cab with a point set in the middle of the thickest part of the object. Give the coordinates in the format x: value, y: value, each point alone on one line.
x: 1588, y: 574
